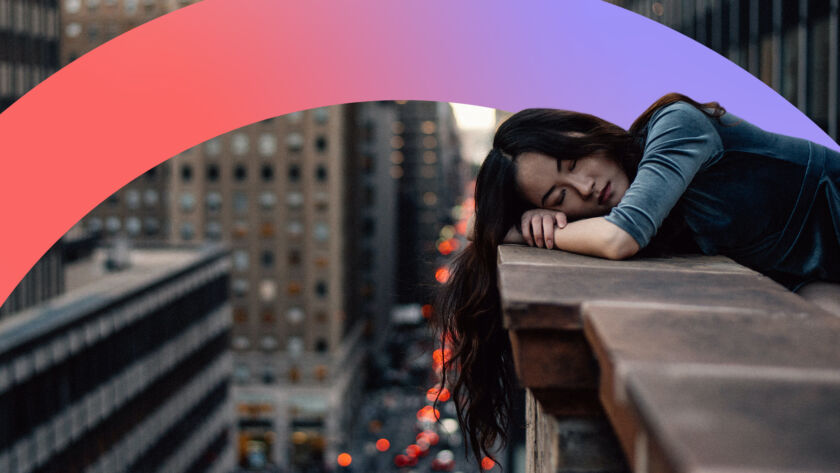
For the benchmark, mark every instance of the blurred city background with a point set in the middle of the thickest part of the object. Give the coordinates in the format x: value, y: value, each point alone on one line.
x: 259, y: 302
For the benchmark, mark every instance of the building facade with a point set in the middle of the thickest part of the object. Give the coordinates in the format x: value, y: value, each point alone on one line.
x: 791, y: 45
x: 129, y: 371
x: 29, y: 33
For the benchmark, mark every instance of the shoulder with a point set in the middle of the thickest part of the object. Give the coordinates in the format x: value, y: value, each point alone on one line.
x: 682, y: 124
x: 679, y: 113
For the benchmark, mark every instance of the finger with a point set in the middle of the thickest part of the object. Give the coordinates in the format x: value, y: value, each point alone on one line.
x: 548, y: 231
x: 561, y: 219
x: 536, y: 226
x: 526, y: 231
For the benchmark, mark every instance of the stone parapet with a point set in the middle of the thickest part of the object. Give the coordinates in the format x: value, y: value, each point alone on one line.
x: 697, y: 363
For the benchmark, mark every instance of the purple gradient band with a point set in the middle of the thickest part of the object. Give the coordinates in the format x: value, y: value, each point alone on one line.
x: 221, y: 64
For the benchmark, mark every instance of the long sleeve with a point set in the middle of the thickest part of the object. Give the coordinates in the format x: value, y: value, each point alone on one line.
x: 680, y: 141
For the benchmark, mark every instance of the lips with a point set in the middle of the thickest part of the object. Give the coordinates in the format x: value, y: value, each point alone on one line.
x: 605, y: 194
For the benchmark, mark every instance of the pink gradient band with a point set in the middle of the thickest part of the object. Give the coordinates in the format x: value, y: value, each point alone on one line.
x: 221, y: 64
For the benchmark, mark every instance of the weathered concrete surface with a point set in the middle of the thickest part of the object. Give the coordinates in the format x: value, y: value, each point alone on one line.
x: 797, y: 347
x: 704, y: 422
x: 571, y: 444
x: 660, y: 328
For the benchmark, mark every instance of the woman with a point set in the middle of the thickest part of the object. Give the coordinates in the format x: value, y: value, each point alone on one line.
x: 686, y: 177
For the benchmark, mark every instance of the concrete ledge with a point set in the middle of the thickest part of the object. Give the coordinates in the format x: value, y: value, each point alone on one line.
x: 678, y: 354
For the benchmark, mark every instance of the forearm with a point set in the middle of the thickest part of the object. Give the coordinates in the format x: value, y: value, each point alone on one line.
x: 595, y: 237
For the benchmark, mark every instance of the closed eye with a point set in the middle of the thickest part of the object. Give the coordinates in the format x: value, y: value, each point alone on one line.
x: 561, y: 198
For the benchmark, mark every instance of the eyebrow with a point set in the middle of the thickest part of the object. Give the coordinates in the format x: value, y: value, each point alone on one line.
x: 547, y: 194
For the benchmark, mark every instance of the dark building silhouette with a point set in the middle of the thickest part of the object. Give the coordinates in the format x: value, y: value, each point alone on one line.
x: 126, y: 371
x: 791, y: 45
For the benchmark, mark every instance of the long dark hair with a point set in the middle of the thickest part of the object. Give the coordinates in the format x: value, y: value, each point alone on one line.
x: 468, y: 316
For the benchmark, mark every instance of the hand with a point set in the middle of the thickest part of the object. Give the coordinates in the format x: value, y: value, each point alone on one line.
x: 538, y: 226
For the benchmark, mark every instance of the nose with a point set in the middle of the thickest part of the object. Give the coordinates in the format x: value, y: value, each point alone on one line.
x: 583, y: 185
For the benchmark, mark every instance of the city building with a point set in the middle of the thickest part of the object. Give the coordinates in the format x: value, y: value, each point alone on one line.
x: 427, y: 162
x: 128, y: 370
x: 29, y: 33
x: 791, y: 45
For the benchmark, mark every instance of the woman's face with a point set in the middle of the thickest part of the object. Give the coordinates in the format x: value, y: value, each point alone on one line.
x: 586, y: 187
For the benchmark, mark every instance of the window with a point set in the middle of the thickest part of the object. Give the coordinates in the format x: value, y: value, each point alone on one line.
x: 268, y: 290
x: 267, y: 259
x: 151, y: 226
x: 132, y: 198
x: 268, y: 316
x: 321, y: 173
x: 212, y: 172
x: 294, y: 288
x: 150, y: 197
x: 294, y: 199
x: 267, y: 200
x: 72, y: 6
x: 93, y: 32
x: 321, y: 289
x: 294, y: 345
x: 133, y: 226
x: 240, y: 260
x: 397, y: 142
x: 269, y: 343
x: 397, y: 157
x: 321, y: 115
x: 187, y: 201
x: 73, y: 30
x: 240, y: 172
x: 321, y: 232
x: 130, y: 6
x: 112, y: 224
x: 294, y: 228
x: 213, y: 231
x: 213, y: 201
x: 268, y: 376
x: 239, y: 144
x: 294, y: 173
x: 240, y: 287
x: 240, y: 315
x: 429, y: 157
x: 294, y: 257
x: 267, y: 172
x: 294, y: 117
x: 240, y: 202
x: 187, y: 231
x: 213, y: 147
x: 240, y: 229
x: 92, y: 4
x: 428, y: 127
x: 294, y: 315
x: 321, y: 345
x: 294, y: 141
x: 430, y: 199
x: 267, y: 144
x: 321, y: 144
x: 241, y: 373
x: 267, y: 230
x: 321, y: 372
x: 429, y: 141
x: 186, y: 173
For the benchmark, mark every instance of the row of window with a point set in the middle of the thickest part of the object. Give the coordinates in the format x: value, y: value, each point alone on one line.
x: 294, y: 315
x: 213, y: 172
x: 29, y: 17
x: 268, y: 289
x: 242, y: 373
x: 240, y: 143
x: 130, y: 7
x: 17, y: 79
x: 267, y: 200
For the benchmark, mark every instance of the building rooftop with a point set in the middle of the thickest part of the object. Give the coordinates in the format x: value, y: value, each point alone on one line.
x: 92, y: 288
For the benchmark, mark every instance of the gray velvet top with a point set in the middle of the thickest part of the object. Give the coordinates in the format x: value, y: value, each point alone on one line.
x: 770, y: 202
